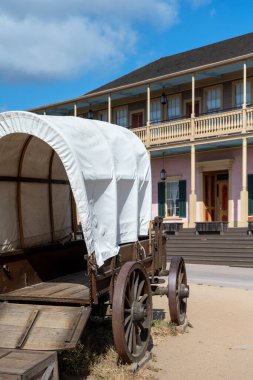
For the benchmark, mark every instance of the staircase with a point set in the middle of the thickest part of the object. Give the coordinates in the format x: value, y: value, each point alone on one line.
x: 234, y: 248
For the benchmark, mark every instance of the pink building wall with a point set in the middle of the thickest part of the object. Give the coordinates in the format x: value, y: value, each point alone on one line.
x: 180, y: 166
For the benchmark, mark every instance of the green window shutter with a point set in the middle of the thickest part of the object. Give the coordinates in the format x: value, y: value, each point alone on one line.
x: 182, y: 198
x: 161, y: 199
x: 250, y: 193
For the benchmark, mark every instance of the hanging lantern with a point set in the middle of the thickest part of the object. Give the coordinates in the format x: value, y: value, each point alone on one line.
x: 90, y: 114
x: 163, y: 173
x: 163, y: 98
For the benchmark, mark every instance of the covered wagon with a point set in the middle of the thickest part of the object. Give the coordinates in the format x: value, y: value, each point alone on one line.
x: 55, y: 172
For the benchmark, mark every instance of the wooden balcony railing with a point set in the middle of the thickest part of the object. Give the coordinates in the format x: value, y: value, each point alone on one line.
x: 204, y: 126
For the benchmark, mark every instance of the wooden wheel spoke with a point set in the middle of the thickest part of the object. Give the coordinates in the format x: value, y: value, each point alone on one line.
x: 141, y: 285
x: 143, y: 298
x: 140, y: 325
x: 130, y: 340
x: 128, y: 301
x: 127, y: 320
x: 132, y: 286
x: 128, y: 331
x: 134, y: 339
x: 136, y: 286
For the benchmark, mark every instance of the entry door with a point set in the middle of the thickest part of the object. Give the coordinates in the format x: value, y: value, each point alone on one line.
x: 222, y: 200
x: 137, y: 120
x: 216, y: 197
x: 189, y: 109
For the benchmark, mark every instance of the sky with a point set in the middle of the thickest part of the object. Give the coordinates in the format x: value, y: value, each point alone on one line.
x: 54, y: 50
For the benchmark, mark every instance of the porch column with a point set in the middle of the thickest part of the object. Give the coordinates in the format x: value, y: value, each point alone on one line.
x: 244, y: 106
x: 109, y: 108
x: 75, y: 110
x: 192, y: 197
x: 231, y: 216
x: 243, y: 222
x: 193, y: 109
x: 148, y: 116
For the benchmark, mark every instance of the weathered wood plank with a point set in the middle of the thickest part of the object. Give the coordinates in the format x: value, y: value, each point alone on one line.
x: 27, y: 365
x: 41, y: 327
x: 70, y: 289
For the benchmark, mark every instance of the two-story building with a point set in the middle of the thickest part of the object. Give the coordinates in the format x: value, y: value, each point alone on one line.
x: 194, y: 113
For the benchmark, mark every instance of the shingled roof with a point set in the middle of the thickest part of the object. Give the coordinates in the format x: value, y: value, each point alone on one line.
x: 191, y: 59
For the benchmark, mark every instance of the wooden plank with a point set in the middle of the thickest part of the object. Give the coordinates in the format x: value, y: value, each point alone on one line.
x: 71, y: 289
x: 43, y: 328
x: 25, y: 365
x: 27, y: 328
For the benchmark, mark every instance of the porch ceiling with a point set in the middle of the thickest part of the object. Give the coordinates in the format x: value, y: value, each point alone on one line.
x: 200, y: 147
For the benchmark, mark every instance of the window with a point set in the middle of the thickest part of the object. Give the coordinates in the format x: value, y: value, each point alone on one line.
x: 174, y: 106
x: 213, y: 99
x: 238, y: 94
x: 121, y: 117
x: 172, y: 198
x: 103, y: 115
x: 155, y: 111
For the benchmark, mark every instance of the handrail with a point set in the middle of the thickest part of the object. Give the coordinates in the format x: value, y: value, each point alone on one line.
x: 199, y: 127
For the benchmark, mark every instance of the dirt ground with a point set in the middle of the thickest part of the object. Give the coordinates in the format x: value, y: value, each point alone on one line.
x: 220, y: 344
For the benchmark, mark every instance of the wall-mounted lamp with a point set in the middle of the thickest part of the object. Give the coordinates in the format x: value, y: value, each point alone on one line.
x: 90, y: 114
x: 163, y: 173
x: 163, y: 98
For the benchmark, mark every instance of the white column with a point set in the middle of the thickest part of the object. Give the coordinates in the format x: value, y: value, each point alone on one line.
x: 192, y: 197
x: 109, y: 108
x: 193, y: 96
x: 44, y: 113
x: 244, y: 193
x: 244, y: 106
x: 148, y: 115
x: 75, y: 110
x: 193, y: 109
x: 244, y: 85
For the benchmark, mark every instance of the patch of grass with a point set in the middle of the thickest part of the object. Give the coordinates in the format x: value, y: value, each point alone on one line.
x: 95, y: 358
x: 162, y: 329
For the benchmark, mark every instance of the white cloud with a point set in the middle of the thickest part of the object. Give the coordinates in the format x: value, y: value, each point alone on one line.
x: 47, y: 39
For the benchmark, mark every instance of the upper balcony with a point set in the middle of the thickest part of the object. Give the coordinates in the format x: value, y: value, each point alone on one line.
x: 215, y: 125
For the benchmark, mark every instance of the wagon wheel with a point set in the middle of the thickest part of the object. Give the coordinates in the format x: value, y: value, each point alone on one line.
x: 178, y: 290
x: 132, y: 312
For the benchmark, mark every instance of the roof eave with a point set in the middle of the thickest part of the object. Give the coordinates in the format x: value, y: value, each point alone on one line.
x: 146, y: 81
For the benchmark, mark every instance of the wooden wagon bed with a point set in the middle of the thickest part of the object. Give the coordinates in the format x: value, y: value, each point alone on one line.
x: 72, y: 288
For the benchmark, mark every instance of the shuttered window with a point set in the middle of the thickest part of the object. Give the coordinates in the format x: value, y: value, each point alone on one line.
x: 250, y: 193
x: 161, y: 199
x: 182, y: 198
x: 172, y: 198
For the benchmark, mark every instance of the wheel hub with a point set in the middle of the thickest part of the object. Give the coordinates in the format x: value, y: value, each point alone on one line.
x: 138, y: 311
x: 184, y: 291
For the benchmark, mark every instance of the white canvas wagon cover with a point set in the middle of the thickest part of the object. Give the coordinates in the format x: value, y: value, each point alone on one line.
x: 108, y: 170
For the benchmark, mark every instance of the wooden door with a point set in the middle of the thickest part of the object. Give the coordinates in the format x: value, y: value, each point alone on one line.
x: 222, y: 200
x: 209, y: 197
x: 137, y: 120
x: 188, y: 110
x: 216, y: 197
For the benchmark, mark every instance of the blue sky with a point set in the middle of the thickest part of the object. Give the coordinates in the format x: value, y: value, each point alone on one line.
x: 52, y: 50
